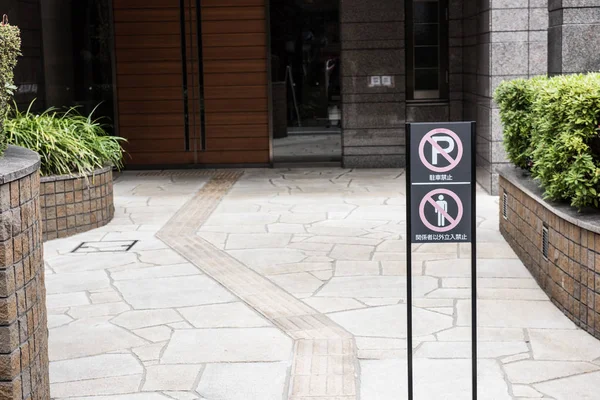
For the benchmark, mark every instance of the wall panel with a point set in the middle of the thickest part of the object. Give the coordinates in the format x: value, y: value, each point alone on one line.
x: 150, y: 82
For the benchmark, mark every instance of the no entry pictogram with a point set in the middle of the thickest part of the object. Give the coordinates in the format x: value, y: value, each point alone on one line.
x: 452, y: 140
x: 436, y: 199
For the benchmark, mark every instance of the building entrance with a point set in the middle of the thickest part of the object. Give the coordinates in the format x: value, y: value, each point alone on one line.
x: 305, y: 65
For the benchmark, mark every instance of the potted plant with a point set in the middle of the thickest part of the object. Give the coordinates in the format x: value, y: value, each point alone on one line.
x: 77, y: 159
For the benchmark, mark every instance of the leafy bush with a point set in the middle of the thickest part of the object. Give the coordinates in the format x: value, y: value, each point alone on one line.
x: 68, y: 142
x: 563, y: 126
x: 515, y: 99
x: 10, y: 45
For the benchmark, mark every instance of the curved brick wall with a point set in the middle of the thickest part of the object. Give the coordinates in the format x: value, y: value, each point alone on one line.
x: 23, y: 324
x: 570, y: 275
x: 73, y: 205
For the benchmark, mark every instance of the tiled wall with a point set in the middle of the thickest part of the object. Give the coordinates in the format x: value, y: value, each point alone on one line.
x: 571, y: 273
x: 23, y: 323
x: 74, y: 205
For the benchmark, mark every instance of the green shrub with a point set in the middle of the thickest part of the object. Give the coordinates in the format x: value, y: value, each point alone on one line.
x: 67, y: 142
x: 10, y: 45
x: 566, y: 142
x: 556, y: 122
x: 515, y: 99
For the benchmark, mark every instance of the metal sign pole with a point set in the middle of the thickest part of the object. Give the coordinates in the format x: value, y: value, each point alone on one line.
x: 473, y: 262
x: 441, y: 176
x: 409, y: 344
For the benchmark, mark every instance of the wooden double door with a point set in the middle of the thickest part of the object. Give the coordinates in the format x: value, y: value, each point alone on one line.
x: 191, y: 81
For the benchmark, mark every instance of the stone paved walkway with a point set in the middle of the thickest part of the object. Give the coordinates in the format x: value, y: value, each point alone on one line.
x: 278, y: 284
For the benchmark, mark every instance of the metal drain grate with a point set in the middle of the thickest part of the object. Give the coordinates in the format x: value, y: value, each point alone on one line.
x: 545, y: 241
x: 114, y: 246
x: 505, y: 205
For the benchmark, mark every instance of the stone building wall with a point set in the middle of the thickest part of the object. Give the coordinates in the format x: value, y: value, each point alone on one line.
x: 23, y: 323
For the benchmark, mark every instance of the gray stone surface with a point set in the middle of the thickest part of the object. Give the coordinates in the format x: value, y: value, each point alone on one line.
x: 217, y: 326
x: 17, y: 162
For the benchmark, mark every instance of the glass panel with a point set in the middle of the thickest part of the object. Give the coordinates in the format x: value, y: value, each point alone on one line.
x: 427, y: 79
x: 77, y: 55
x: 426, y: 34
x: 426, y: 57
x: 425, y: 11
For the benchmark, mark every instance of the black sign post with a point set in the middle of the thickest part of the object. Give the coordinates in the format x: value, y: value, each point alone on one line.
x: 440, y: 195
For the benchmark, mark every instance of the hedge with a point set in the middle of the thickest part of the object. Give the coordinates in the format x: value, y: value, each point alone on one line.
x: 551, y: 127
x: 10, y: 45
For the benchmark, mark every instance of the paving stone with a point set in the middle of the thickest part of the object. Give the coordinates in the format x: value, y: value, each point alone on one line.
x: 322, y: 275
x: 301, y: 282
x: 58, y: 320
x: 376, y: 286
x: 344, y: 240
x: 530, y: 371
x: 93, y: 387
x: 171, y: 377
x: 311, y: 248
x: 526, y: 391
x: 568, y: 345
x: 95, y: 310
x: 485, y: 268
x: 250, y: 383
x: 390, y: 321
x: 264, y: 258
x: 155, y: 334
x: 286, y: 228
x: 227, y: 345
x: 88, y: 337
x: 584, y: 387
x: 100, y: 366
x: 76, y: 282
x: 238, y: 241
x: 156, y: 272
x: 130, y: 396
x: 172, y: 292
x: 145, y: 318
x: 516, y: 357
x: 66, y: 300
x: 106, y: 297
x: 376, y: 301
x: 352, y: 252
x: 514, y: 314
x: 149, y: 352
x: 512, y: 294
x: 74, y: 262
x: 161, y: 257
x: 486, y: 334
x: 333, y: 304
x: 230, y: 315
x: 301, y: 218
x: 354, y: 268
x: 456, y: 350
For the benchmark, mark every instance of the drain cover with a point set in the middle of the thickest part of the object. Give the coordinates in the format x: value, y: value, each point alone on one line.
x: 114, y: 246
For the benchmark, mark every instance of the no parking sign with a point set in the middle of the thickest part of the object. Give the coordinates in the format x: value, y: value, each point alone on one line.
x: 440, y: 182
x: 440, y: 195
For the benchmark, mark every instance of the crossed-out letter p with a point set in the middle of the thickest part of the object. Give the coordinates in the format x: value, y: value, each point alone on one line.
x: 435, y: 152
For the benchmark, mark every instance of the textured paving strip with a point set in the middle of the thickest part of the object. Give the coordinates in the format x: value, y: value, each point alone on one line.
x: 325, y: 356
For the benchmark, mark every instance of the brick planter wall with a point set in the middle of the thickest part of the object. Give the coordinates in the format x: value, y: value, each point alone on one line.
x: 73, y: 205
x: 570, y: 275
x: 23, y: 324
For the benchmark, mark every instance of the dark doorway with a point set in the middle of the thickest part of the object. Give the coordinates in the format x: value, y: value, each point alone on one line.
x: 305, y: 64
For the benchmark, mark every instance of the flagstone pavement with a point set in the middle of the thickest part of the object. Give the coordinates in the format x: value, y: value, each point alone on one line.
x: 290, y: 284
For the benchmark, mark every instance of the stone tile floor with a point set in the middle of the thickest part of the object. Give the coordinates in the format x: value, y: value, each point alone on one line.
x: 290, y: 284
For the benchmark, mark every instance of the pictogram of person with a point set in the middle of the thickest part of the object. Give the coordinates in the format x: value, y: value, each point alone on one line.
x: 444, y: 206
